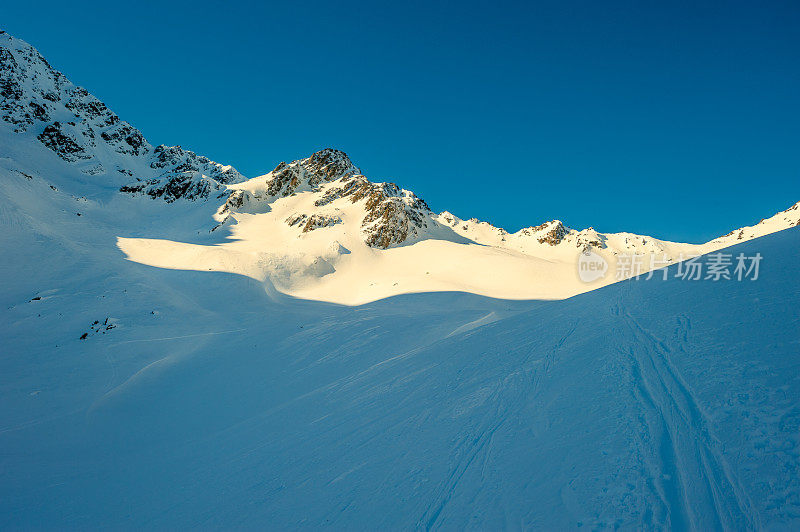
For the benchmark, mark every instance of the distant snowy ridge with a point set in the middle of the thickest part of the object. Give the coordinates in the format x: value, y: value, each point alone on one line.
x: 315, y: 227
x: 783, y: 220
x: 394, y: 216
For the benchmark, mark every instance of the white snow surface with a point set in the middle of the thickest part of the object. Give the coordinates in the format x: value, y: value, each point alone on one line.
x: 216, y: 401
x: 157, y: 373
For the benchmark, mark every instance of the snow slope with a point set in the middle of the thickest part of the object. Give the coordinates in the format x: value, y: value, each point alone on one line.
x: 181, y: 346
x: 214, y: 403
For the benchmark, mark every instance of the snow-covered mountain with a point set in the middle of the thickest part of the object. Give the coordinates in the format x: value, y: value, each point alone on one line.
x: 317, y: 228
x: 143, y: 385
x: 314, y: 228
x: 41, y: 107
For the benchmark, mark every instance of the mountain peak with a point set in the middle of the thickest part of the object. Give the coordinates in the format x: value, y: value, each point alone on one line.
x: 323, y: 166
x: 331, y: 163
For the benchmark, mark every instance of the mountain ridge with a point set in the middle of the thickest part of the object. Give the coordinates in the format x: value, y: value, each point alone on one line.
x: 39, y: 102
x: 305, y: 224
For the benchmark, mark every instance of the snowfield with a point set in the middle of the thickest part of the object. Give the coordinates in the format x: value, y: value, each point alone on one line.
x: 212, y: 402
x: 183, y: 346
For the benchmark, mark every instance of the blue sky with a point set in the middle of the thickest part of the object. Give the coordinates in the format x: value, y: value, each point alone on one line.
x: 675, y: 119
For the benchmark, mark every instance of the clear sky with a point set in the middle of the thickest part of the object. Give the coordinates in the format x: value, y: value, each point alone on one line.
x: 675, y: 119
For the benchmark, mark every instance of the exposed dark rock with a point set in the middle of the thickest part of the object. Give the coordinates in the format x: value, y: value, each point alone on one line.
x: 90, y: 108
x: 125, y: 139
x: 555, y: 232
x: 189, y: 186
x: 314, y: 221
x: 393, y: 214
x: 39, y: 111
x: 323, y: 166
x: 63, y: 142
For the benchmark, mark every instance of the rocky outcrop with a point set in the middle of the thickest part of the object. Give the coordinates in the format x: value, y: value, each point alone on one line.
x: 589, y: 238
x: 314, y: 221
x: 125, y: 139
x: 330, y: 164
x: 308, y: 174
x: 86, y: 106
x: 236, y: 201
x: 554, y: 232
x: 28, y: 85
x: 393, y: 215
x: 190, y: 186
x: 67, y: 140
x: 174, y: 159
x: 355, y: 187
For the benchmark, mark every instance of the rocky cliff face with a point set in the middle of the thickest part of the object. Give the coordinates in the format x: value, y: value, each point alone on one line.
x: 392, y: 215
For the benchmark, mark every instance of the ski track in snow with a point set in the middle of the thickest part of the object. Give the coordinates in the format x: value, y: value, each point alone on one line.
x: 516, y: 390
x: 688, y: 450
